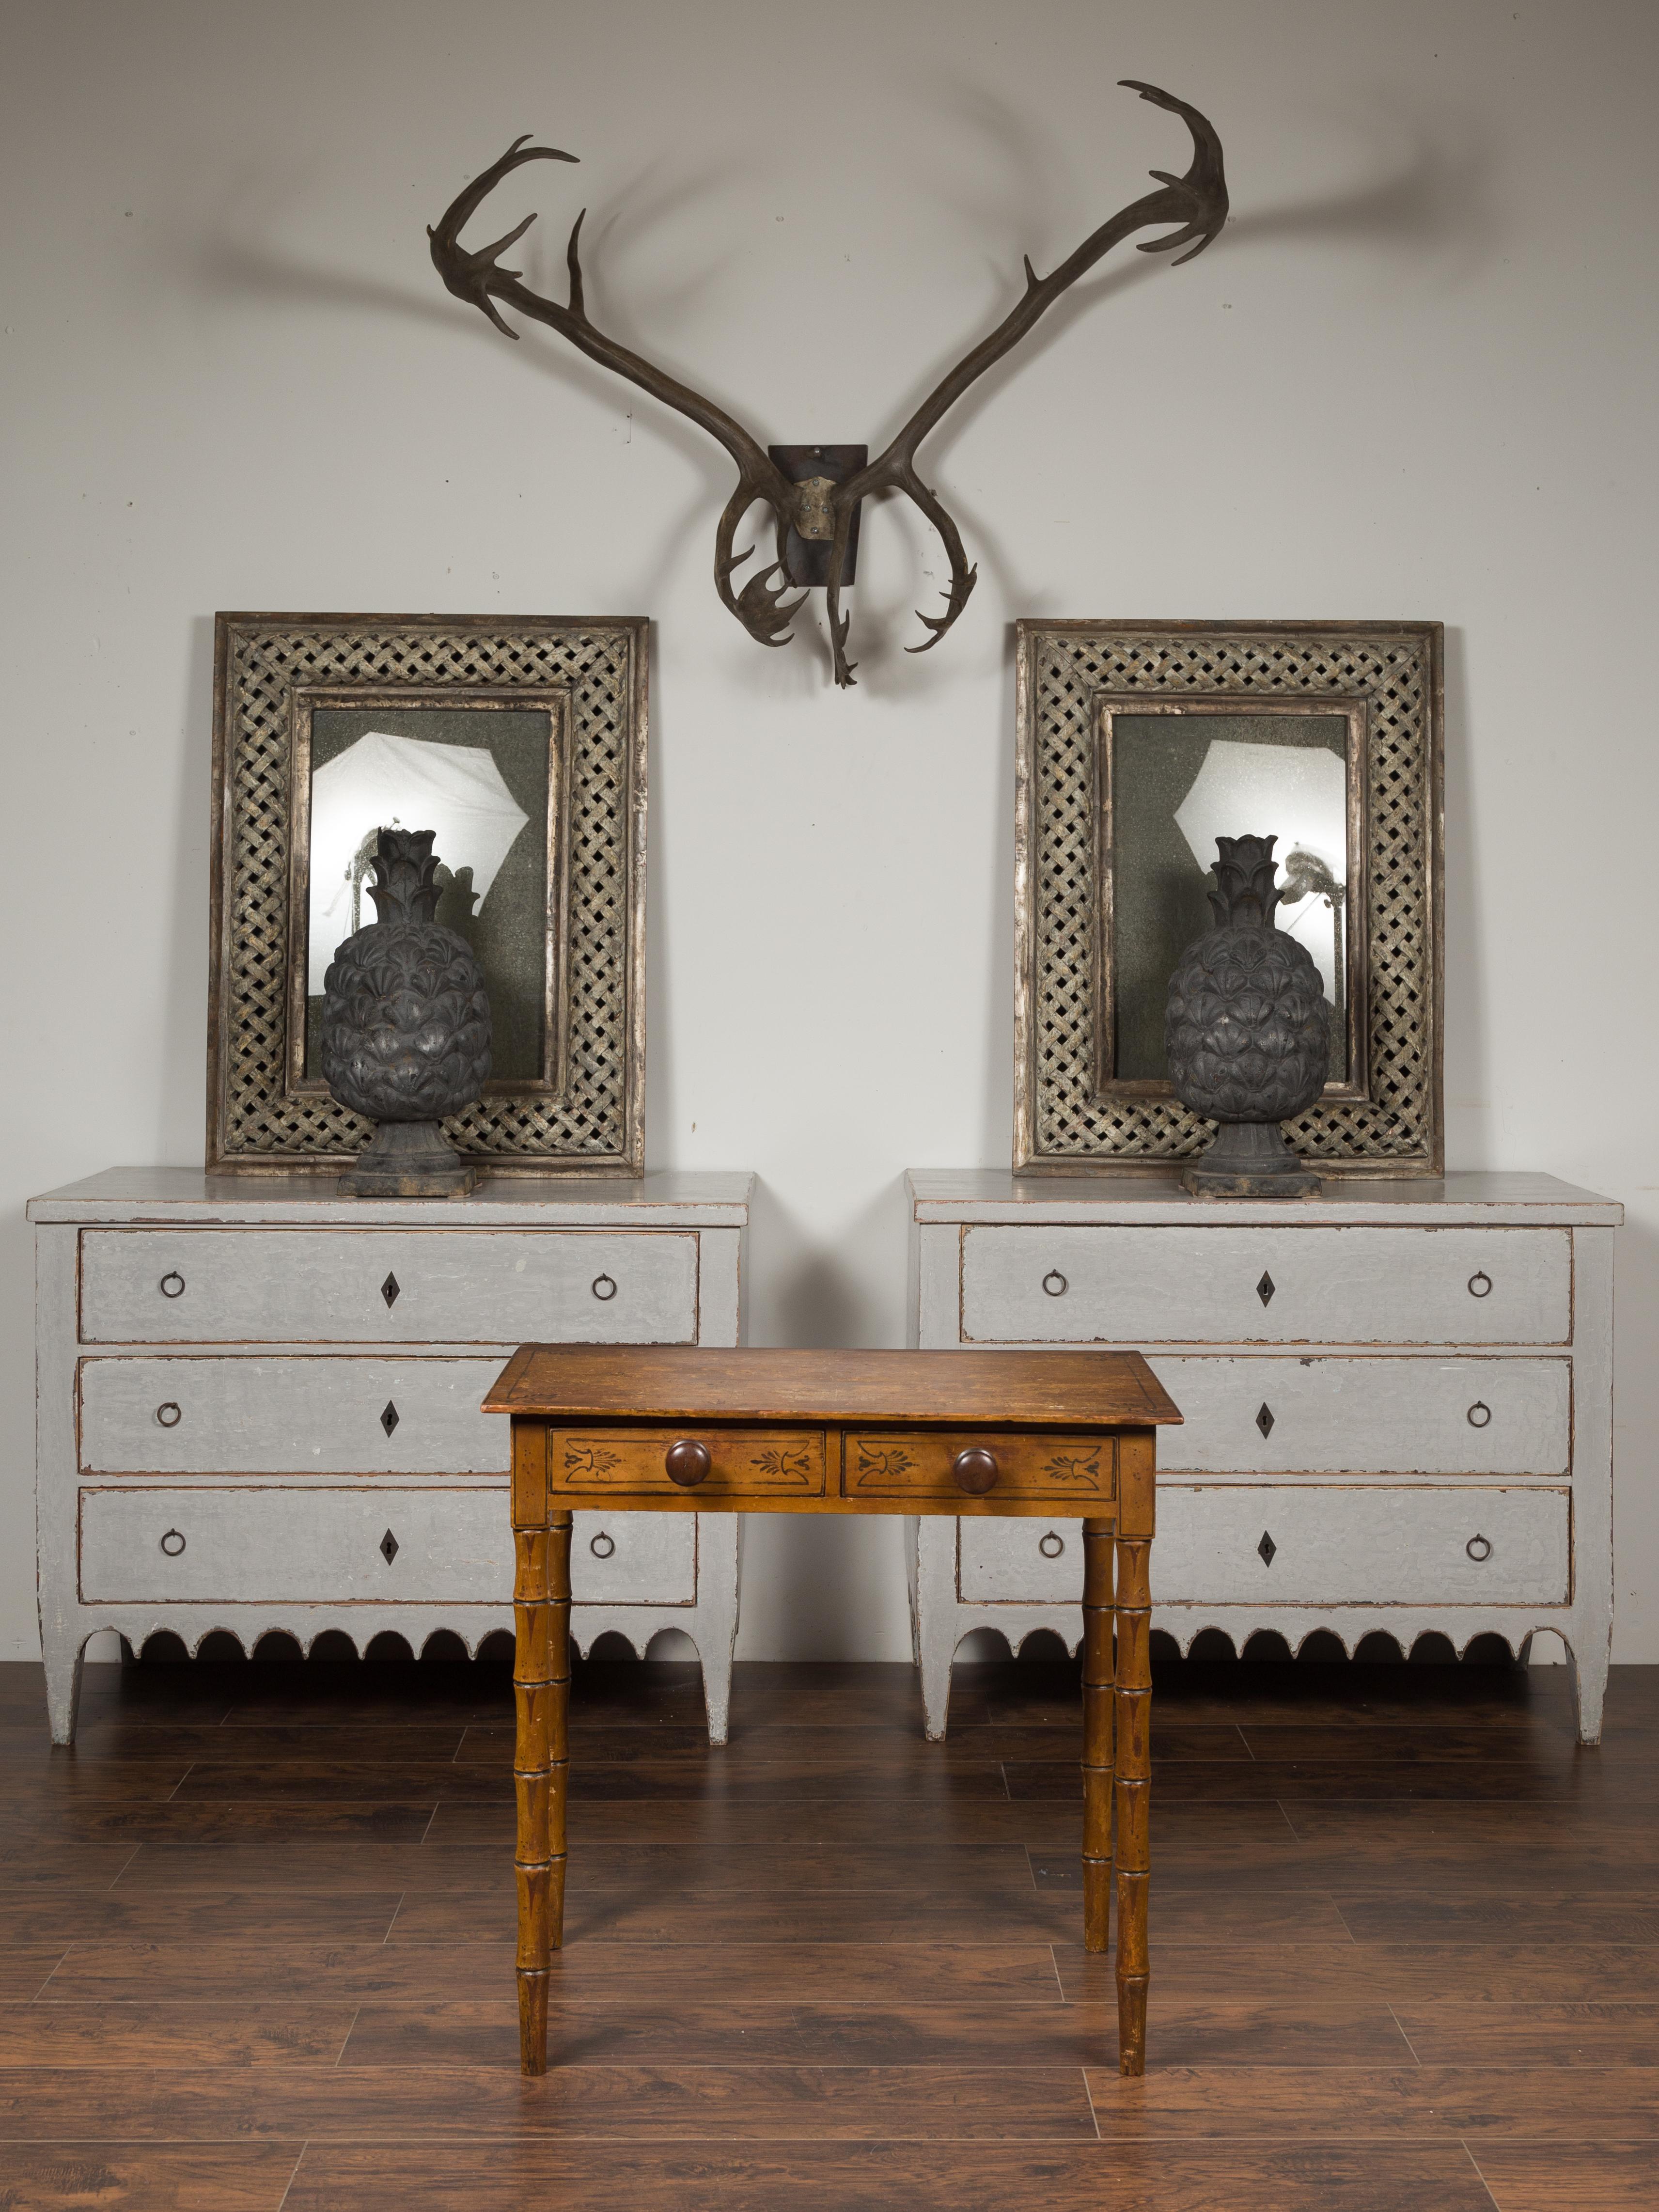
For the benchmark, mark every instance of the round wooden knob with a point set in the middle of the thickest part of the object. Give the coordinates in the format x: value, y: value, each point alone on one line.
x: 976, y: 1470
x: 687, y: 1462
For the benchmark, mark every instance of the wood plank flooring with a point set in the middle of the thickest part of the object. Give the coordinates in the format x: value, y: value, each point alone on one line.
x: 256, y: 1946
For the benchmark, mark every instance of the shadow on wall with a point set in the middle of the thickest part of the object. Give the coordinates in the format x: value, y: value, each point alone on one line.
x: 1635, y: 1424
x: 806, y: 1284
x: 1466, y: 1024
x: 1431, y: 203
x: 825, y: 1586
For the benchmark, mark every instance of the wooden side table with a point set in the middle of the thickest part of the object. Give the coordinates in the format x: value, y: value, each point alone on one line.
x: 668, y: 1429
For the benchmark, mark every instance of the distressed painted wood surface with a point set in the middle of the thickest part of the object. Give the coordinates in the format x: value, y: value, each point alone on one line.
x: 266, y: 1359
x: 1365, y: 1546
x: 1347, y: 1548
x: 1342, y: 1415
x: 1174, y: 1284
x: 667, y: 1197
x: 1474, y: 1199
x: 315, y: 1414
x: 1536, y: 1404
x: 251, y: 1545
x: 258, y: 1995
x: 363, y: 1285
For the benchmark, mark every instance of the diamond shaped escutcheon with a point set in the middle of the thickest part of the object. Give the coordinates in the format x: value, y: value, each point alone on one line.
x: 1264, y: 1420
x: 1266, y: 1548
x: 388, y: 1547
x: 389, y: 1290
x: 389, y: 1417
x: 1265, y: 1287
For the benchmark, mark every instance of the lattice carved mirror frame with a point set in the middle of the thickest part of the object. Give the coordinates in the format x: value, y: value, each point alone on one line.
x: 1072, y: 1111
x: 584, y: 1113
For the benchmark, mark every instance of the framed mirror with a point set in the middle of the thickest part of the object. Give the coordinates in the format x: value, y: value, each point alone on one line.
x: 485, y: 772
x: 1138, y: 744
x: 1170, y: 778
x: 520, y: 741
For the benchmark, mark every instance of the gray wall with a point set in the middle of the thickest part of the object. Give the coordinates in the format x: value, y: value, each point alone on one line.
x: 1413, y: 380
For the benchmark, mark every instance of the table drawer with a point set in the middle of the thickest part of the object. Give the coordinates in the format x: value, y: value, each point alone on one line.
x: 632, y: 1462
x: 1390, y: 1416
x: 320, y: 1415
x: 498, y: 1287
x: 1323, y: 1547
x: 248, y: 1546
x: 1168, y: 1284
x: 884, y: 1463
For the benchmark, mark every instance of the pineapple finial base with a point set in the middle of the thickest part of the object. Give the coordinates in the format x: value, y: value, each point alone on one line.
x: 408, y: 1159
x: 1249, y: 1160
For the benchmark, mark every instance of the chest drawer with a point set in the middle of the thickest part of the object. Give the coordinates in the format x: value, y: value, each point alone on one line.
x: 1322, y: 1547
x: 310, y: 1414
x: 1313, y: 1546
x: 1169, y: 1285
x: 313, y: 1546
x: 248, y: 1546
x: 1022, y: 1561
x: 1407, y: 1415
x: 633, y: 1558
x: 498, y: 1287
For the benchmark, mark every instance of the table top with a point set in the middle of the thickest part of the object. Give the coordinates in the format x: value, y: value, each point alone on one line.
x: 1017, y: 1389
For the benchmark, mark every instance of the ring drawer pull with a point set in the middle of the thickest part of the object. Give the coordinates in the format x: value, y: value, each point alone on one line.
x: 602, y: 1546
x: 1054, y: 1283
x: 167, y: 1413
x: 975, y: 1470
x: 1485, y: 1552
x: 604, y: 1288
x: 1478, y: 1414
x: 1479, y: 1284
x: 1051, y: 1545
x: 687, y: 1462
x: 173, y: 1543
x: 172, y: 1284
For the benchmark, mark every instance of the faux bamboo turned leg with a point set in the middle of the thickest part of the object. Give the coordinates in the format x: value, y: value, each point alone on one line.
x: 541, y: 1766
x: 1097, y: 1537
x: 1134, y: 1769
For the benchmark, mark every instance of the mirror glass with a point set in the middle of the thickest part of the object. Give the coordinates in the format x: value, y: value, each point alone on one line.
x: 483, y: 779
x: 1173, y: 784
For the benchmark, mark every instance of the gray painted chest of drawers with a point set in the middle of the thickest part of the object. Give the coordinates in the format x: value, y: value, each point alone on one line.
x: 1398, y: 1403
x: 259, y: 1406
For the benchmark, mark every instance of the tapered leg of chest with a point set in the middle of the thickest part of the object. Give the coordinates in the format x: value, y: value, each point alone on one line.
x: 1134, y: 1769
x: 1098, y: 1679
x: 541, y: 1766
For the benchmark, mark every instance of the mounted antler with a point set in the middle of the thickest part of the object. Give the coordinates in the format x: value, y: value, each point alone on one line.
x: 1197, y: 201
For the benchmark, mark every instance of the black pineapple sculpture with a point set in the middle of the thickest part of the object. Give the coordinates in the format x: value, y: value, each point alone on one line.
x: 405, y: 1029
x: 1247, y: 1032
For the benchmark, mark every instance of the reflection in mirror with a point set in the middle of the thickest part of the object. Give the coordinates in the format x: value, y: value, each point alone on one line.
x: 1174, y: 783
x: 483, y: 780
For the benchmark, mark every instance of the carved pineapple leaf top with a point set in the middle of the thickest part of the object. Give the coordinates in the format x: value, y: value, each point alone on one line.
x: 404, y: 887
x: 1245, y: 895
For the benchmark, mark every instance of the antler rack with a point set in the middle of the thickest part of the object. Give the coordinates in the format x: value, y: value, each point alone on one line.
x: 1196, y: 202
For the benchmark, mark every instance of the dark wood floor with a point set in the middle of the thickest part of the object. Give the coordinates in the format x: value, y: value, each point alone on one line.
x: 256, y: 1948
